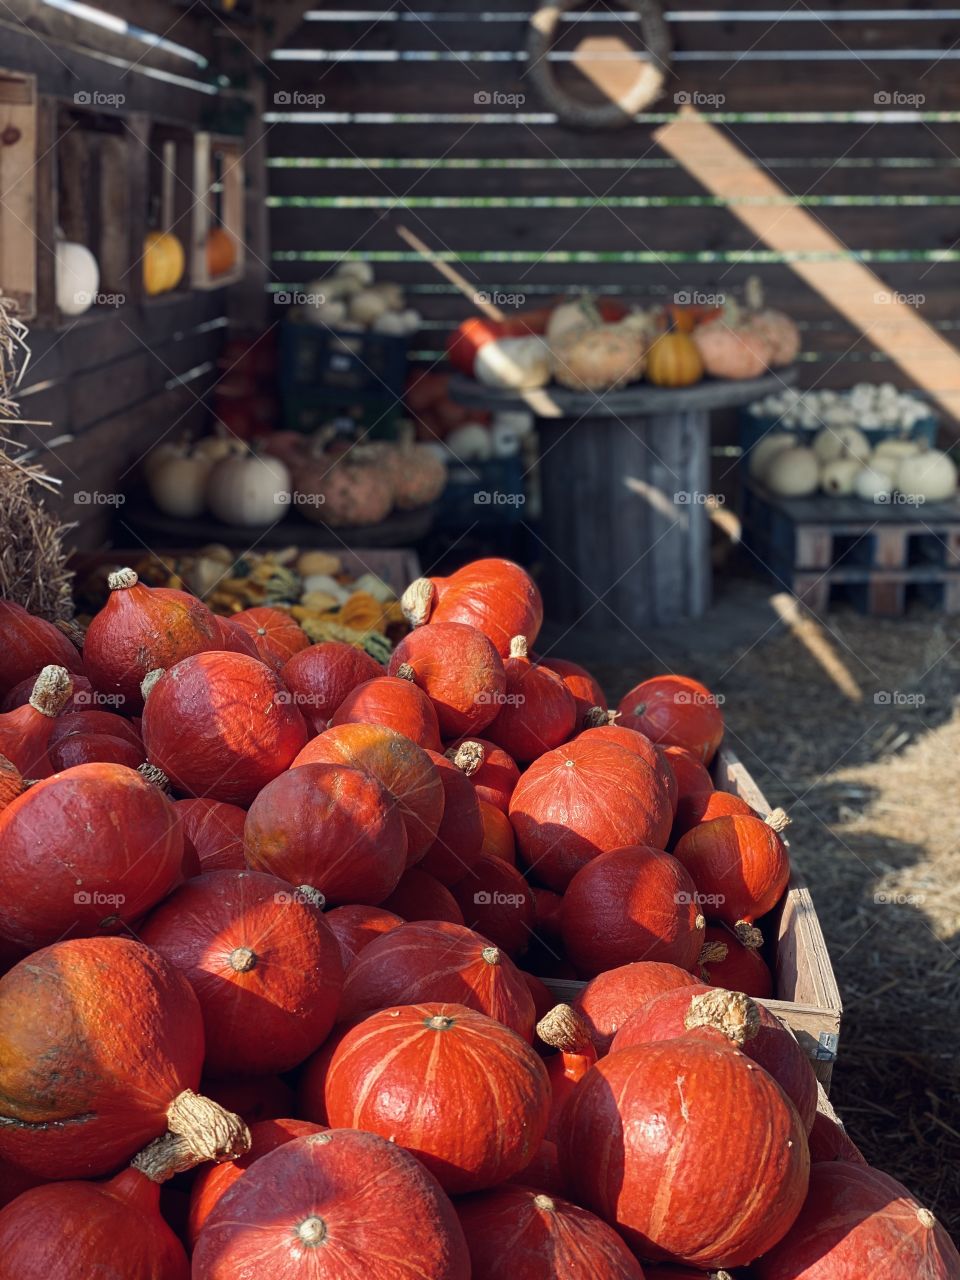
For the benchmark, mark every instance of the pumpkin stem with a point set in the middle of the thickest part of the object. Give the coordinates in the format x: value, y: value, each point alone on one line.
x: 731, y: 1012
x: 518, y: 647
x: 564, y: 1029
x: 209, y: 1129
x: 405, y: 672
x: 312, y: 1231
x: 748, y: 934
x: 242, y: 959
x: 778, y: 820
x: 417, y: 601
x: 596, y: 718
x: 439, y: 1022
x: 545, y: 1203
x: 312, y: 895
x: 51, y: 691
x: 468, y: 757
x: 713, y: 953
x: 149, y: 680
x: 122, y: 579
x: 153, y: 774
x: 492, y: 955
x: 926, y: 1218
x: 73, y: 631
x: 165, y: 1157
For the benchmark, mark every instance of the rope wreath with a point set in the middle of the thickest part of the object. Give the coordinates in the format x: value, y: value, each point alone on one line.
x: 609, y: 115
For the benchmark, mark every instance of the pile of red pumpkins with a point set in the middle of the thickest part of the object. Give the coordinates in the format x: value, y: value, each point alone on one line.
x: 273, y: 929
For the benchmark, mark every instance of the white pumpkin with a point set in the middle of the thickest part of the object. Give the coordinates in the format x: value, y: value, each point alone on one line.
x: 898, y: 449
x: 793, y: 473
x: 163, y: 453
x: 331, y: 313
x: 930, y: 475
x: 215, y: 448
x: 841, y: 442
x: 178, y: 485
x: 766, y: 448
x: 517, y: 364
x: 249, y: 489
x: 872, y: 485
x: 471, y: 442
x: 839, y: 476
x: 78, y: 278
x: 361, y: 272
x: 887, y: 466
x: 569, y: 316
x: 367, y: 306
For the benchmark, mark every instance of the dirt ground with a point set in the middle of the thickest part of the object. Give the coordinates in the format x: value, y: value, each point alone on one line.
x: 872, y: 789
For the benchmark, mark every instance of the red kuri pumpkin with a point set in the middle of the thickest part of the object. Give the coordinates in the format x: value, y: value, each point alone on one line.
x: 396, y: 702
x: 221, y: 725
x: 84, y: 852
x: 94, y: 721
x: 514, y: 1233
x: 366, y: 1204
x: 11, y: 782
x: 548, y: 907
x: 275, y: 634
x: 459, y: 840
x: 493, y: 773
x: 82, y: 698
x: 215, y: 830
x: 726, y: 962
x: 498, y: 841
x: 436, y: 961
x: 639, y: 745
x: 740, y: 867
x: 631, y: 904
x: 321, y: 676
x: 538, y: 711
x: 691, y: 1151
x: 563, y: 1029
x: 495, y: 596
x: 334, y: 828
x: 704, y: 806
x: 101, y: 1042
x: 398, y: 764
x: 354, y: 927
x: 262, y: 962
x: 25, y: 733
x: 497, y: 902
x: 421, y: 896
x: 711, y: 1012
x: 92, y: 736
x: 464, y: 1094
x: 582, y: 799
x: 675, y: 711
x: 608, y: 1000
x: 237, y: 640
x: 857, y: 1218
x: 830, y: 1141
x: 312, y: 1078
x: 585, y: 689
x: 459, y: 670
x: 78, y: 1230
x: 691, y: 773
x: 142, y: 629
x: 213, y: 1181
x: 29, y: 644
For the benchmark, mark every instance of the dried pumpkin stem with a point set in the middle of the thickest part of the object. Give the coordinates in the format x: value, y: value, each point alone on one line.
x: 153, y: 774
x: 778, y: 820
x: 596, y: 718
x: 748, y: 934
x: 564, y: 1029
x: 713, y: 953
x: 405, y: 672
x: 468, y: 757
x: 73, y: 631
x: 417, y: 601
x: 730, y: 1012
x: 148, y: 682
x: 518, y: 647
x: 122, y: 579
x: 165, y: 1157
x: 51, y: 691
x: 212, y: 1132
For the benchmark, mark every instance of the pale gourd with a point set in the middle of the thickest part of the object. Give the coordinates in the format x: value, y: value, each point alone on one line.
x: 250, y: 489
x: 331, y: 313
x: 793, y: 473
x: 471, y: 442
x: 601, y: 357
x: 841, y: 442
x: 839, y: 476
x: 360, y: 272
x: 367, y: 306
x: 569, y: 316
x: 516, y: 364
x: 178, y: 486
x: 887, y: 465
x: 78, y: 278
x: 872, y: 485
x: 162, y: 453
x: 215, y: 448
x: 930, y: 475
x: 898, y: 449
x: 766, y: 448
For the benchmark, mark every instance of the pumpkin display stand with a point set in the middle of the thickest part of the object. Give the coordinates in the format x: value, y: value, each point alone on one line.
x: 624, y: 478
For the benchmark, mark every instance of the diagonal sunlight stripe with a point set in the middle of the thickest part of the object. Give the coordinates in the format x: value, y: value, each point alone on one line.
x: 932, y: 363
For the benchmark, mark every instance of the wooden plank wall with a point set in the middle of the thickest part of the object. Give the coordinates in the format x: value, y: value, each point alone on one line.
x: 119, y: 378
x: 854, y: 110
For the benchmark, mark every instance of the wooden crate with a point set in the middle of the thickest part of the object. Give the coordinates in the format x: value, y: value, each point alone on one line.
x: 880, y: 557
x: 219, y: 200
x: 808, y: 999
x: 18, y: 192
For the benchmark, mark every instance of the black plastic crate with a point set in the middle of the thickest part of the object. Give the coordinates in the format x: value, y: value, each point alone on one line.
x: 487, y: 493
x: 314, y: 358
x: 377, y: 417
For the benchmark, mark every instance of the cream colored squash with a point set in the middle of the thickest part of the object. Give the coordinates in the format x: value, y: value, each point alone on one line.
x: 872, y: 485
x: 569, y: 316
x: 249, y: 489
x: 78, y: 278
x: 518, y: 364
x: 930, y: 475
x: 178, y: 485
x: 898, y: 449
x: 471, y: 443
x: 793, y: 473
x: 841, y: 442
x: 839, y: 476
x: 766, y: 448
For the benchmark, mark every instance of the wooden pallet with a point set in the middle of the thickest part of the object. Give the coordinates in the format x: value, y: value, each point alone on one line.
x: 878, y: 556
x: 807, y: 997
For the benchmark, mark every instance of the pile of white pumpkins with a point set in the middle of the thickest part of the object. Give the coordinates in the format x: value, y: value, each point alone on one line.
x: 840, y: 460
x: 351, y: 301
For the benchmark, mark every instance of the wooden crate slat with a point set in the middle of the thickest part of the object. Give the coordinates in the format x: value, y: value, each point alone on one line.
x: 207, y: 148
x: 18, y: 192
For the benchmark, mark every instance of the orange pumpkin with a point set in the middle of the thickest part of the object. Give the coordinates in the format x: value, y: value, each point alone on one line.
x: 163, y: 262
x: 221, y: 251
x: 674, y: 360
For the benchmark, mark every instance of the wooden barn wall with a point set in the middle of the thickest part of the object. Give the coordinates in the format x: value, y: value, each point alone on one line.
x: 115, y: 380
x: 390, y: 114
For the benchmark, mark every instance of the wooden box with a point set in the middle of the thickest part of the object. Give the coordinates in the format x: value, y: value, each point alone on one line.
x: 218, y: 185
x: 18, y: 191
x: 808, y: 999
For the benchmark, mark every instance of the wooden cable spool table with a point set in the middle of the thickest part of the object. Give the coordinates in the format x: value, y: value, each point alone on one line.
x: 625, y: 476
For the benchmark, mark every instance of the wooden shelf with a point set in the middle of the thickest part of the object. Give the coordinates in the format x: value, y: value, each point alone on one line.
x: 18, y: 192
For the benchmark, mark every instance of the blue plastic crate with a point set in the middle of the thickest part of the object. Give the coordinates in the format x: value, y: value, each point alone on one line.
x: 754, y: 427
